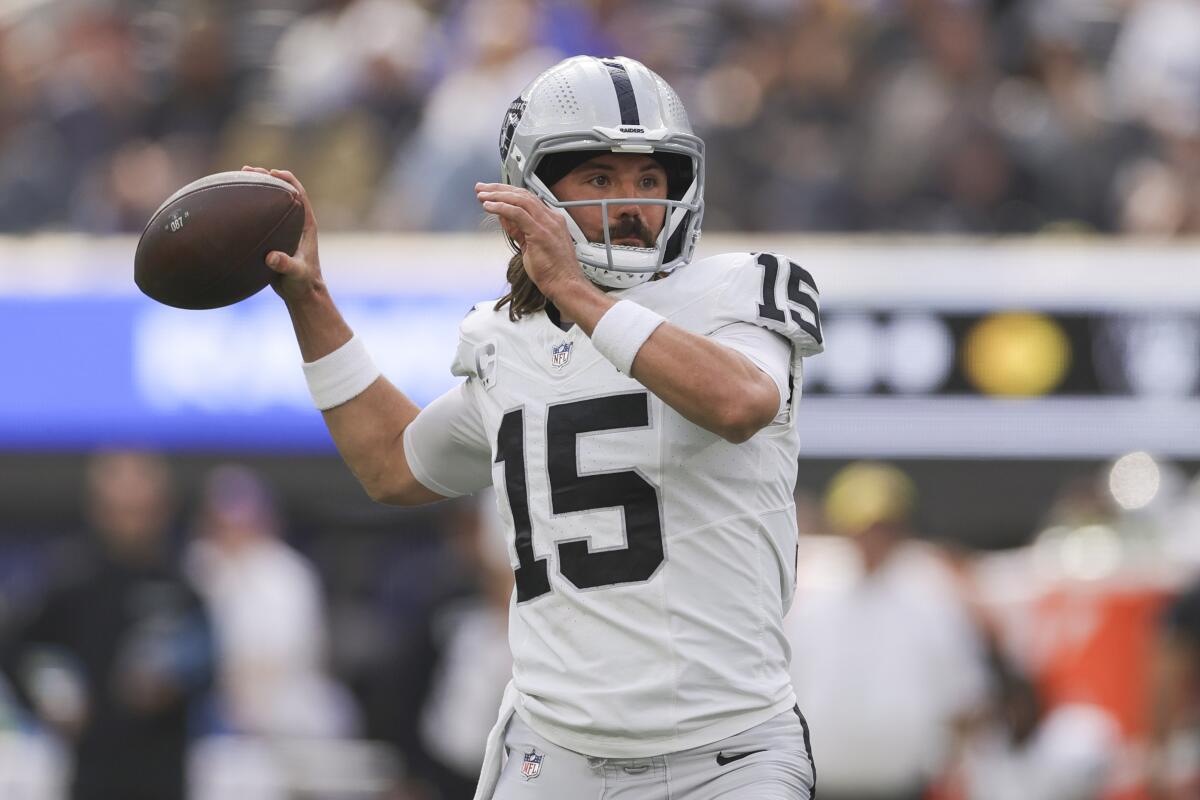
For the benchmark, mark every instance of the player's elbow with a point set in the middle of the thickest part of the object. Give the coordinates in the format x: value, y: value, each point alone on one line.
x: 736, y: 434
x: 387, y: 478
x: 397, y: 490
x: 394, y: 495
x: 746, y: 413
x: 740, y: 421
x: 382, y: 491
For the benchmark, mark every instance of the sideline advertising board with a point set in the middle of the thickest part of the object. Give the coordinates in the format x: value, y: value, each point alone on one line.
x: 1040, y: 348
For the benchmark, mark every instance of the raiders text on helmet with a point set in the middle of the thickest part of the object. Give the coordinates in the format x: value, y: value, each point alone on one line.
x: 618, y: 105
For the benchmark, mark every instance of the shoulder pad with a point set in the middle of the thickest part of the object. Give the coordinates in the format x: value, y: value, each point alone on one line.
x: 473, y: 331
x: 773, y: 292
x: 480, y: 318
x: 712, y: 268
x: 691, y: 286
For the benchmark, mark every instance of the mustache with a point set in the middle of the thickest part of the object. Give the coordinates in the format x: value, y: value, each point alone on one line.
x: 631, y: 227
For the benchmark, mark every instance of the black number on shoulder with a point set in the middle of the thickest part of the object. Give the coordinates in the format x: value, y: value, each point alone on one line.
x: 797, y: 295
x: 531, y: 577
x: 571, y: 492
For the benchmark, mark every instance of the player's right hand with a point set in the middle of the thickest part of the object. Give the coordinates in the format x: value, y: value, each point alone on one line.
x: 548, y: 254
x: 299, y: 275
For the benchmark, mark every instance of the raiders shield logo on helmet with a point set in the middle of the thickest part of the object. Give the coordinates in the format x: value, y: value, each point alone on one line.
x: 511, y: 119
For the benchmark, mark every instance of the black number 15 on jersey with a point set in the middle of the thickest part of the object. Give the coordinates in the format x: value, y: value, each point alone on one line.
x: 571, y: 492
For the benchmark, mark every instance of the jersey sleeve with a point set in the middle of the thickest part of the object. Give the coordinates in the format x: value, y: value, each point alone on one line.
x: 772, y: 292
x: 768, y: 351
x: 446, y: 446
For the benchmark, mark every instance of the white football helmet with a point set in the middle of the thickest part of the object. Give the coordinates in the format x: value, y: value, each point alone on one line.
x: 613, y: 104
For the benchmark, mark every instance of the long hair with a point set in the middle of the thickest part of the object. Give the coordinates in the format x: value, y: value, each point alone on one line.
x: 523, y: 297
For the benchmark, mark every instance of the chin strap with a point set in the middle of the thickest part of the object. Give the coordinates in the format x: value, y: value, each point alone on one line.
x: 611, y: 279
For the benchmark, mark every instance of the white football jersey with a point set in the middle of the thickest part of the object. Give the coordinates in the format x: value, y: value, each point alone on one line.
x: 654, y: 560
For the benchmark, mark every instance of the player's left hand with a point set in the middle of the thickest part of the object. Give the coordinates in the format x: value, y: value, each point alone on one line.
x: 549, y: 253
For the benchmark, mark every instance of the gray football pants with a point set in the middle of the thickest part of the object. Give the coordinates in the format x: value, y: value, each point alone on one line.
x: 768, y: 762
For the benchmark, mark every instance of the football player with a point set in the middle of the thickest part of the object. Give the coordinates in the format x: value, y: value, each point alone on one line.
x: 635, y: 410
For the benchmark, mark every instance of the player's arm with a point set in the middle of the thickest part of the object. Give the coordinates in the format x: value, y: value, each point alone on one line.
x: 369, y: 428
x: 714, y: 386
x: 711, y: 385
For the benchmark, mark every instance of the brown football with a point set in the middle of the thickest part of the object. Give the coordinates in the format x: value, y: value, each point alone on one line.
x: 206, y: 246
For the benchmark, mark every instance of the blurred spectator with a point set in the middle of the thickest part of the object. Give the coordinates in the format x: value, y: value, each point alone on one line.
x: 887, y: 666
x: 444, y: 592
x: 1181, y: 545
x: 454, y: 146
x: 124, y: 641
x: 474, y: 663
x: 1154, y: 73
x: 201, y: 91
x: 268, y: 615
x: 351, y: 54
x: 1174, y: 768
x: 1024, y: 750
x: 844, y: 115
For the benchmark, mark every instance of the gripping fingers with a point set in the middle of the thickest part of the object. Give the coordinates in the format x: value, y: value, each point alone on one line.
x: 279, y: 261
x: 310, y: 219
x: 283, y: 175
x: 286, y: 175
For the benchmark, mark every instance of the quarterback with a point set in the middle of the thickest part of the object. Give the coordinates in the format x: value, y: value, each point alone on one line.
x: 635, y: 410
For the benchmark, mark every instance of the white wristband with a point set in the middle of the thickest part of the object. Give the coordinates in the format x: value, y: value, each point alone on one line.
x: 622, y: 331
x: 341, y: 375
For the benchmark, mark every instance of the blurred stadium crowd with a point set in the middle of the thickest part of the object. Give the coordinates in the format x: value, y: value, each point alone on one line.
x: 971, y: 116
x: 192, y: 630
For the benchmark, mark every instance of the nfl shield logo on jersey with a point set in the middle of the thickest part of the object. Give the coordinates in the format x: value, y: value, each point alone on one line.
x: 531, y: 767
x: 561, y: 355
